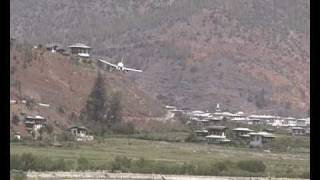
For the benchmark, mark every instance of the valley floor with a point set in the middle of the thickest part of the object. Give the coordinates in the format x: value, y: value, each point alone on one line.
x: 171, y: 155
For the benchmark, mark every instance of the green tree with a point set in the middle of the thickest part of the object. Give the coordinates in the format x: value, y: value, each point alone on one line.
x: 15, y: 119
x: 261, y: 101
x: 114, y: 115
x: 96, y: 107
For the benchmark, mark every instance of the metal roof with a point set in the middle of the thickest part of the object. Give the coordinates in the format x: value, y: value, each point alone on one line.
x: 216, y: 137
x: 242, y: 129
x: 79, y: 127
x: 264, y: 134
x: 79, y: 45
x: 297, y: 128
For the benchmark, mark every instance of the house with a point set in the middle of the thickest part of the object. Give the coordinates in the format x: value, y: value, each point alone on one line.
x: 225, y: 114
x: 215, y: 139
x: 240, y: 114
x: 242, y: 132
x: 53, y: 47
x: 301, y: 122
x: 12, y: 101
x: 277, y: 123
x: 263, y: 119
x: 259, y: 139
x: 244, y: 120
x: 255, y: 121
x: 44, y: 105
x: 202, y: 132
x: 17, y: 136
x: 217, y: 130
x: 34, y: 124
x: 80, y: 49
x: 269, y: 130
x: 199, y: 123
x: 215, y: 120
x: 80, y: 133
x: 307, y: 121
x: 289, y: 121
x: 217, y: 134
x: 170, y: 107
x: 308, y: 131
x: 298, y: 131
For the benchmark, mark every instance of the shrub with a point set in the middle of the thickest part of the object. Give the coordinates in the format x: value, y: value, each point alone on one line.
x: 123, y: 128
x: 61, y: 110
x: 260, y: 99
x: 121, y: 163
x: 18, y: 175
x: 219, y: 167
x: 191, y: 138
x: 186, y: 168
x: 66, y: 136
x: 59, y: 164
x: 28, y: 161
x: 15, y: 161
x: 15, y: 119
x: 252, y: 165
x: 49, y: 129
x: 83, y: 163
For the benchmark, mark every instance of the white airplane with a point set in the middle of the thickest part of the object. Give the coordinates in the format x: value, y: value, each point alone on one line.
x: 119, y: 66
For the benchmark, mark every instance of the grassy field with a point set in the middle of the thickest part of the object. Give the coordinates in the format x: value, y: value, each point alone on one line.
x: 277, y: 164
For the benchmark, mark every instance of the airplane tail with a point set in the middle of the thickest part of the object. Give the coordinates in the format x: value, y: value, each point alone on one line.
x: 122, y: 59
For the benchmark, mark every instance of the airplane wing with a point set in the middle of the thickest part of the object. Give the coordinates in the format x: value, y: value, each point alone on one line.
x: 109, y: 64
x: 130, y: 69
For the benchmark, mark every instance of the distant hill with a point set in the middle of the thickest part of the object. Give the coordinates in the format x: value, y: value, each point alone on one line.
x: 252, y: 56
x: 64, y: 84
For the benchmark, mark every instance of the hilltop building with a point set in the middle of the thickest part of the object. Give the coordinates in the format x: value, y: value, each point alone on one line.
x: 34, y: 124
x: 80, y: 49
x: 53, y: 47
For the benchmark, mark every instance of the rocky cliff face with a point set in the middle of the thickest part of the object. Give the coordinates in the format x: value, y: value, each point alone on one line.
x: 252, y: 56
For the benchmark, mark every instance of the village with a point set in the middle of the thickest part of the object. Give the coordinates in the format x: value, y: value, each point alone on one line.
x: 209, y: 126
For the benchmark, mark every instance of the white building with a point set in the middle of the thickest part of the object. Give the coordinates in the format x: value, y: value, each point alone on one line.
x: 298, y: 131
x: 80, y: 49
x: 217, y: 134
x: 259, y: 139
x: 242, y: 132
x: 80, y: 133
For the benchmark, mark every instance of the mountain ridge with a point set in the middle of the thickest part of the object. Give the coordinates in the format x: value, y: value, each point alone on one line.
x: 252, y: 56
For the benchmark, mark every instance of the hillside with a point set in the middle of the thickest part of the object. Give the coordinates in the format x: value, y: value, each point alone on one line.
x: 252, y: 56
x: 65, y: 83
